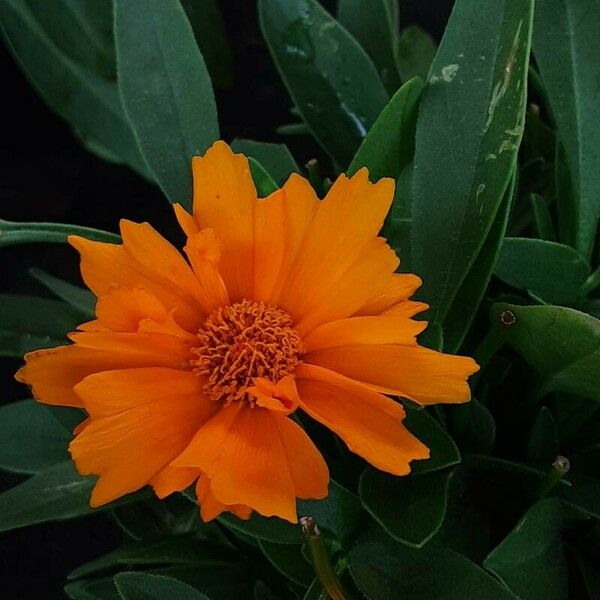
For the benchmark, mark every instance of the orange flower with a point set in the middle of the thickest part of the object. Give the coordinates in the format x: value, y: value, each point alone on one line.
x: 192, y: 370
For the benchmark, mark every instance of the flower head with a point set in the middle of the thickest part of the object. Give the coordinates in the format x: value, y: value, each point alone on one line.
x: 192, y: 369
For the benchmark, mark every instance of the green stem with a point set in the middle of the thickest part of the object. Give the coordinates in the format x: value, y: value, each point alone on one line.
x: 591, y: 283
x: 320, y: 559
x: 560, y: 467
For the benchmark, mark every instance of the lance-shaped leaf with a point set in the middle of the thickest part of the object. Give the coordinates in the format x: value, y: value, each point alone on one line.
x: 561, y: 344
x: 88, y: 101
x: 469, y: 129
x: 166, y: 90
x: 569, y: 29
x: 329, y: 76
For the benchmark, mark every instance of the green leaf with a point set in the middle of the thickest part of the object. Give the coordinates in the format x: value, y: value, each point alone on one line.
x: 270, y: 529
x: 468, y: 298
x: 98, y: 589
x: 328, y: 75
x: 569, y: 29
x: 469, y: 130
x: 82, y: 300
x: 443, y: 451
x: 29, y: 323
x: 550, y: 270
x: 12, y: 233
x: 384, y: 569
x: 183, y: 550
x: 531, y: 559
x: 275, y: 158
x: 145, y: 586
x: 207, y: 22
x: 166, y: 90
x: 81, y: 30
x: 389, y: 145
x: 375, y: 24
x: 410, y: 509
x: 561, y: 344
x: 340, y: 512
x: 542, y: 447
x: 288, y: 560
x: 416, y: 51
x: 473, y: 426
x: 54, y: 494
x: 591, y: 575
x: 86, y: 100
x: 31, y: 439
x: 542, y: 218
x: 264, y: 183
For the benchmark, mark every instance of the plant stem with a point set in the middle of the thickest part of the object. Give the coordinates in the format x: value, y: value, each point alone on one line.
x: 320, y: 559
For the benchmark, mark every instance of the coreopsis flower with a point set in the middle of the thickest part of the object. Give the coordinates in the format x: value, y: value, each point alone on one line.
x: 192, y: 370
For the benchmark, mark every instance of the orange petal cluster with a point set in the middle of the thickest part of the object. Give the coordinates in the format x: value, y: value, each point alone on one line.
x: 193, y: 369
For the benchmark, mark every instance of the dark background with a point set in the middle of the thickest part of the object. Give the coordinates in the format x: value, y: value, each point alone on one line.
x: 45, y: 175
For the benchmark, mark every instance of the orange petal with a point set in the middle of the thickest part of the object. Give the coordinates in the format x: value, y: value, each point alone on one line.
x: 420, y: 374
x: 112, y: 392
x: 239, y: 450
x: 173, y: 479
x: 210, y: 507
x: 185, y: 220
x: 405, y: 308
x: 204, y: 253
x: 281, y: 222
x: 281, y: 396
x: 346, y: 223
x: 128, y: 449
x: 122, y: 309
x: 344, y: 296
x: 369, y: 423
x: 308, y: 470
x: 105, y: 267
x: 53, y: 373
x: 363, y: 330
x: 224, y: 199
x: 400, y: 286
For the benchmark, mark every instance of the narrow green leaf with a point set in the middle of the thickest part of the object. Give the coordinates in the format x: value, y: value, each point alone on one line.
x: 385, y: 569
x: 264, y: 183
x: 288, y: 560
x: 375, y: 24
x: 468, y: 298
x: 411, y: 509
x: 82, y: 30
x: 389, y: 144
x: 443, y: 451
x: 542, y: 447
x: 328, y: 75
x: 553, y: 271
x: 82, y: 300
x: 475, y: 95
x: 531, y: 559
x: 12, y: 233
x: 207, y: 22
x: 29, y: 323
x: 86, y: 100
x: 569, y: 29
x: 31, y: 439
x: 166, y: 90
x: 542, y: 218
x: 95, y: 589
x: 54, y: 494
x: 172, y: 550
x: 146, y: 586
x: 275, y: 158
x: 561, y: 344
x: 269, y: 529
x: 416, y: 51
x: 473, y: 426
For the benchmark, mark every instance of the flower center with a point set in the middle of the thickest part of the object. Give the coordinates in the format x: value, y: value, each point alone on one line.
x: 243, y: 341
